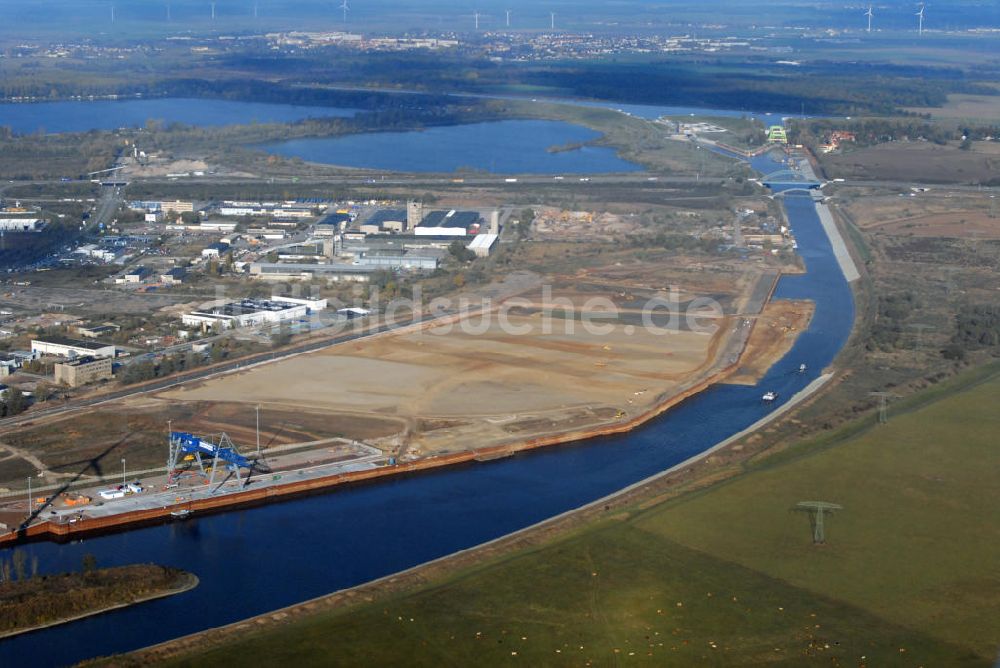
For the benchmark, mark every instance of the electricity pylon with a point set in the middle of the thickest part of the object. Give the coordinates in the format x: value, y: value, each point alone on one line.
x: 817, y: 511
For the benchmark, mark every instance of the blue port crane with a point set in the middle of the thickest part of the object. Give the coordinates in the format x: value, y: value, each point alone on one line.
x: 185, y: 446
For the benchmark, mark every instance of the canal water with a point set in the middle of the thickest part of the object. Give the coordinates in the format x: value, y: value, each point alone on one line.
x: 256, y: 560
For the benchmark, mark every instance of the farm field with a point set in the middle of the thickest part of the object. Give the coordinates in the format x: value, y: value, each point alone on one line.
x: 920, y: 162
x: 725, y: 576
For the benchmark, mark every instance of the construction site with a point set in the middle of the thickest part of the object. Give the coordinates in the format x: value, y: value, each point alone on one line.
x: 555, y: 360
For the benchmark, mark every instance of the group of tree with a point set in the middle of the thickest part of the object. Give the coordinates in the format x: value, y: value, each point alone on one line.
x: 15, y: 402
x: 890, y: 321
x: 977, y: 327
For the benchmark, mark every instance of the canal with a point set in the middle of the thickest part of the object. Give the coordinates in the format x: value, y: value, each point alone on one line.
x: 255, y: 560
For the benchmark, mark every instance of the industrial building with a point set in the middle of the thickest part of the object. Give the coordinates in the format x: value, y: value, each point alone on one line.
x: 21, y: 224
x: 385, y: 221
x: 174, y: 276
x: 82, y: 370
x: 135, y: 275
x: 252, y: 312
x: 483, y: 244
x: 225, y: 226
x: 8, y: 365
x: 153, y: 206
x: 449, y: 223
x: 275, y: 271
x: 279, y: 210
x: 72, y: 348
x: 399, y: 259
x: 215, y: 250
x: 97, y: 331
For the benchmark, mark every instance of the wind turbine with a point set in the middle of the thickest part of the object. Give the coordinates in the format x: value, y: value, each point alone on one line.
x: 112, y: 13
x: 213, y: 11
x: 169, y: 18
x: 344, y: 7
x: 476, y: 15
x: 869, y: 15
x: 552, y: 20
x: 920, y: 18
x: 508, y: 18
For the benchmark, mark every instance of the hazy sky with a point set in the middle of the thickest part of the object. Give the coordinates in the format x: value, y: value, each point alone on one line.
x: 81, y: 17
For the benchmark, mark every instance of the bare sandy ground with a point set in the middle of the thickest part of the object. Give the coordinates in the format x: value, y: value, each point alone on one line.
x: 774, y: 334
x: 459, y: 389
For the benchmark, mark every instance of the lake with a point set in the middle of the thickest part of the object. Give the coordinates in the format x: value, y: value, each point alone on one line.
x: 504, y: 147
x: 81, y: 116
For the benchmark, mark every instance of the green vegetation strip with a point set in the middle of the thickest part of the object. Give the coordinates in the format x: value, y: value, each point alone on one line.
x: 730, y: 575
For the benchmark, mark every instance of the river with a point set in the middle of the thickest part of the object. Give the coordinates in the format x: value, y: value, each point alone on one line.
x: 259, y: 559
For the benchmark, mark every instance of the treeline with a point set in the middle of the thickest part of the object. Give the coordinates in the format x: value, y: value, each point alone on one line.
x: 673, y: 241
x: 871, y: 131
x: 150, y: 369
x: 176, y: 135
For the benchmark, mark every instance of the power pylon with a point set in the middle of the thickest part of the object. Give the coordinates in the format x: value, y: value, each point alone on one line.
x: 921, y: 328
x: 883, y: 405
x: 817, y: 512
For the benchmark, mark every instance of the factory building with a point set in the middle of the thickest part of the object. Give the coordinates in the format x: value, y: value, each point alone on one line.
x: 449, y: 223
x: 399, y: 259
x: 252, y: 312
x: 278, y: 210
x: 334, y: 223
x: 385, y: 221
x: 482, y: 244
x: 153, y: 206
x: 82, y: 370
x: 97, y: 331
x: 214, y: 250
x: 268, y: 271
x: 174, y: 276
x: 21, y: 224
x: 224, y: 226
x: 72, y: 348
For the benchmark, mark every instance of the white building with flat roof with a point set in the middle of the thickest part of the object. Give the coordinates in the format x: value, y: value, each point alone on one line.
x: 21, y: 224
x: 252, y: 312
x: 72, y: 348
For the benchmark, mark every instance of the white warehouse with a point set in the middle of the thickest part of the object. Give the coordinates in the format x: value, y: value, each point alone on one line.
x: 72, y: 348
x: 252, y: 312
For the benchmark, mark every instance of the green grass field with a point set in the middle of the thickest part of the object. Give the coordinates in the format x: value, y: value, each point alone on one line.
x: 728, y: 576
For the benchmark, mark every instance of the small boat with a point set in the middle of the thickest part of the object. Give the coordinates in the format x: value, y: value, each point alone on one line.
x: 802, y: 368
x: 181, y: 514
x: 769, y: 396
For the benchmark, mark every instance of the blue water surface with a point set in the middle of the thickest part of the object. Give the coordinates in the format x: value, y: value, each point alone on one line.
x: 504, y: 147
x: 82, y: 116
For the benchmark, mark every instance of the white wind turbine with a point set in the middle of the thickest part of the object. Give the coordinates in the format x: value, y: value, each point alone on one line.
x: 869, y: 14
x: 920, y: 19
